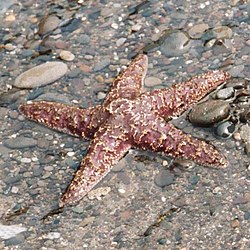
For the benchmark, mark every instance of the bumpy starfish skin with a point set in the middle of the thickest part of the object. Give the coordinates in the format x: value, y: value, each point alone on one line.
x: 129, y: 118
x: 85, y: 122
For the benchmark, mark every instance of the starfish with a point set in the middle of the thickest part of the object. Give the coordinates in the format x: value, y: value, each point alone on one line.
x: 130, y: 118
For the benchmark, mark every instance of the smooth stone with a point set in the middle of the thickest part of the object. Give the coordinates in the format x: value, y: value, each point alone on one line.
x: 10, y: 231
x: 224, y: 129
x: 209, y: 112
x: 164, y: 178
x: 225, y: 93
x: 54, y: 97
x: 152, y: 81
x: 17, y: 240
x: 41, y: 75
x: 217, y: 33
x: 101, y: 95
x: 197, y: 30
x: 102, y: 64
x: 48, y: 24
x: 74, y: 73
x: 66, y: 55
x: 20, y: 142
x: 121, y: 41
x: 175, y: 44
x: 53, y: 235
x: 83, y: 39
x: 222, y: 32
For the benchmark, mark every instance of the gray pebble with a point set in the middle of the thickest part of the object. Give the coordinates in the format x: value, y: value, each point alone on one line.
x: 17, y: 240
x: 152, y: 81
x: 41, y: 75
x: 209, y: 112
x: 102, y: 64
x: 236, y: 70
x: 225, y: 93
x: 164, y: 178
x: 197, y: 30
x: 74, y: 73
x: 175, y: 44
x: 20, y: 142
x: 83, y: 39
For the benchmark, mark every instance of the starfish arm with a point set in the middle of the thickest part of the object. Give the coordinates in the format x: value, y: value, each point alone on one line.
x: 163, y: 137
x: 64, y: 118
x: 174, y: 101
x: 130, y: 82
x: 109, y: 145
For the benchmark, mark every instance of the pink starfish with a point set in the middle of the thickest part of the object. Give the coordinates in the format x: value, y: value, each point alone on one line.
x: 129, y: 118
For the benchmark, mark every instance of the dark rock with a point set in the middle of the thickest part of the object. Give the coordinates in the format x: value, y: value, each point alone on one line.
x: 209, y: 112
x: 164, y: 178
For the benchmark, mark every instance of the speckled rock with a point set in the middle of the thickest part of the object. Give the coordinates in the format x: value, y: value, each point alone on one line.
x: 41, y: 75
x: 209, y: 112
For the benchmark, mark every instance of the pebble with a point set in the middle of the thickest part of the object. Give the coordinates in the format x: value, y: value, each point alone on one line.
x: 225, y: 93
x: 20, y: 142
x: 194, y: 179
x: 222, y: 32
x: 53, y: 235
x: 26, y: 160
x: 98, y: 193
x: 174, y: 44
x: 101, y: 95
x: 83, y: 39
x: 164, y: 178
x: 9, y: 46
x: 217, y: 33
x: 152, y: 81
x: 247, y: 215
x: 102, y: 64
x: 9, y: 231
x: 235, y: 223
x: 209, y: 112
x: 120, y: 41
x: 41, y: 75
x: 197, y: 30
x: 236, y: 70
x: 14, y: 190
x: 66, y: 55
x: 224, y: 129
x: 48, y: 24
